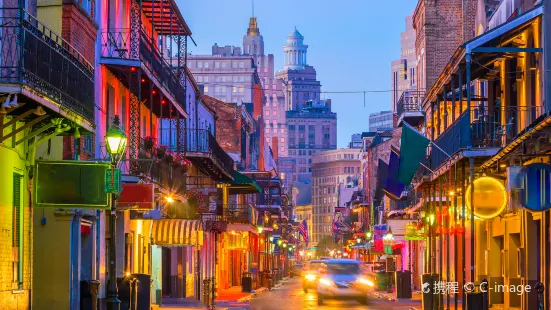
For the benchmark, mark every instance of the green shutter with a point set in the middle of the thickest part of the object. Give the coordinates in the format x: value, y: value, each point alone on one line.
x: 16, y: 211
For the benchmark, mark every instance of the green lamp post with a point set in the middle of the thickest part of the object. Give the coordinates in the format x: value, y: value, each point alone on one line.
x: 115, y: 143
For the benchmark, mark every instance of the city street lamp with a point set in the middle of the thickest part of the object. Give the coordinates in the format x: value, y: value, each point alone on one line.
x: 115, y: 142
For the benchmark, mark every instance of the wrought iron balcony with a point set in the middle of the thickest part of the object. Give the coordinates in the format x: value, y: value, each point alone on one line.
x: 239, y: 214
x: 202, y: 148
x: 133, y: 48
x: 409, y: 107
x: 159, y: 168
x: 483, y: 129
x: 36, y: 60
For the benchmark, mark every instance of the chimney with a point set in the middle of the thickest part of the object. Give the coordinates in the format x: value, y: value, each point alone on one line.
x: 258, y: 101
x: 275, y: 147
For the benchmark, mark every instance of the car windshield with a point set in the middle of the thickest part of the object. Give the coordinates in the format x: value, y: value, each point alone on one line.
x: 314, y: 265
x: 336, y: 268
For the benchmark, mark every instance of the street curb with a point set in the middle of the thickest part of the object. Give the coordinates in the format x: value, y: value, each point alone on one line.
x: 247, y: 298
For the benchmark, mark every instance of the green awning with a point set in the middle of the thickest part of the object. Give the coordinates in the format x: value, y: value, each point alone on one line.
x: 242, y: 184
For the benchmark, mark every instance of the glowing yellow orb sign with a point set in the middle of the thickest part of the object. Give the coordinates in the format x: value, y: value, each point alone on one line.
x: 490, y: 197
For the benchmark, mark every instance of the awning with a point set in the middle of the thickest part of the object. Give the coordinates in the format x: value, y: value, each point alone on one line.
x: 242, y: 184
x: 177, y: 232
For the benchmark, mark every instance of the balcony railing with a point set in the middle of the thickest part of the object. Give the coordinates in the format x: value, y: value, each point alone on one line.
x: 159, y: 169
x: 239, y: 214
x: 483, y: 128
x: 137, y: 45
x: 199, y: 141
x: 410, y: 101
x: 33, y: 55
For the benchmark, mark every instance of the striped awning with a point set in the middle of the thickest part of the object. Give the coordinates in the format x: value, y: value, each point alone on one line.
x: 177, y: 232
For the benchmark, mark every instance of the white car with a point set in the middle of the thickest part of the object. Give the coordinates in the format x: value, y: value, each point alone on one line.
x: 343, y: 279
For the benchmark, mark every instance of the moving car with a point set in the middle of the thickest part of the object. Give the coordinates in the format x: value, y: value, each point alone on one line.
x: 311, y: 275
x: 343, y: 279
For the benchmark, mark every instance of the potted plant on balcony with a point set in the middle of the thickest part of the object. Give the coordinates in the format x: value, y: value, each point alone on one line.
x: 149, y: 142
x: 161, y: 151
x: 183, y: 162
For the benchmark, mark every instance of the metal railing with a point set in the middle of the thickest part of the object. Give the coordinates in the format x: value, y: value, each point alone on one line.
x: 483, y: 128
x: 199, y: 141
x: 239, y: 214
x: 410, y: 101
x: 159, y: 169
x: 121, y: 43
x: 33, y: 55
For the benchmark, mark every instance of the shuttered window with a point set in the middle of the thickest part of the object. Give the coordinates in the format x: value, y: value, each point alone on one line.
x: 16, y: 231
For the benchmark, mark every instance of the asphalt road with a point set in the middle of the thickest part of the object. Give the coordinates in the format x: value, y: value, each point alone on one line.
x: 290, y: 296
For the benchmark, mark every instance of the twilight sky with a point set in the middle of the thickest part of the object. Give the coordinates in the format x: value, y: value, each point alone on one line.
x: 350, y: 43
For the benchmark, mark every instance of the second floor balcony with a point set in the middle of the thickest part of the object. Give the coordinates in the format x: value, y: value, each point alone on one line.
x: 40, y: 69
x: 409, y: 108
x: 203, y: 150
x: 141, y: 54
x: 483, y: 129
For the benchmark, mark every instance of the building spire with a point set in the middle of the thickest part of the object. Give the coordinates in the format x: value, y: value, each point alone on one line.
x: 252, y: 1
x: 253, y: 26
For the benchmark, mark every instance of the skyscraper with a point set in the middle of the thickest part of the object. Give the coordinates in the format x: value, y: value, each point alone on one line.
x: 403, y: 69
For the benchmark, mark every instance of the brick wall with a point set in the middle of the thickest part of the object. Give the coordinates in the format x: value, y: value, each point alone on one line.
x: 228, y: 124
x: 441, y: 27
x: 79, y: 29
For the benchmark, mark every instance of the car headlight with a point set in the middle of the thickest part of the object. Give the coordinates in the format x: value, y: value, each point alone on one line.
x: 326, y: 282
x: 366, y: 282
x: 310, y: 277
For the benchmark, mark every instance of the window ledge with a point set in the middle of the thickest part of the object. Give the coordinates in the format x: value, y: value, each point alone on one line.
x: 18, y: 292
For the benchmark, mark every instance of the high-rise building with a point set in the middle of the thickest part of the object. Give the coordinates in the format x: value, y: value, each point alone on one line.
x: 355, y: 141
x: 332, y: 172
x: 383, y: 120
x: 298, y: 78
x: 310, y: 130
x: 403, y: 69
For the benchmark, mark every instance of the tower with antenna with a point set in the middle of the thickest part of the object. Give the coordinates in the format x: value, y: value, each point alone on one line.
x: 253, y: 43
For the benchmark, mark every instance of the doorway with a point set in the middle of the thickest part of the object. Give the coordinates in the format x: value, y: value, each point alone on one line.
x: 166, y: 264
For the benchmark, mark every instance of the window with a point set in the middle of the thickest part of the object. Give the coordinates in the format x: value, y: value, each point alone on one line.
x: 291, y: 127
x: 235, y: 78
x: 216, y: 64
x: 199, y: 64
x: 206, y: 89
x: 241, y: 79
x: 282, y: 149
x: 234, y: 89
x: 234, y: 64
x: 282, y: 140
x: 274, y: 113
x: 199, y: 79
x: 224, y: 65
x: 241, y: 89
x: 206, y: 64
x: 17, y: 262
x: 241, y: 65
x: 205, y: 79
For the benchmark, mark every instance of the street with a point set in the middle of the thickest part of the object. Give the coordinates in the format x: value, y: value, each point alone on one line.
x: 289, y: 296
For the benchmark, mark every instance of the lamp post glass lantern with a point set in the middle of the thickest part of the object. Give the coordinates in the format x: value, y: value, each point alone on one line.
x: 115, y: 143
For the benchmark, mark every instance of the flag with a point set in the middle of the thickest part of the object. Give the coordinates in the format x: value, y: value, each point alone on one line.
x: 335, y: 227
x: 393, y: 187
x: 413, y: 147
x: 303, y: 231
x: 382, y: 175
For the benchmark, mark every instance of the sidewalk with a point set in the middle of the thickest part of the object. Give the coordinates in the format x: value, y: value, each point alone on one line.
x: 230, y: 299
x: 415, y: 295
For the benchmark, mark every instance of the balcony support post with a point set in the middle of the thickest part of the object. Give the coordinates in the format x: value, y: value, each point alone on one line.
x: 452, y: 81
x: 460, y: 88
x: 445, y: 107
x: 135, y: 101
x: 441, y: 240
x: 468, y: 59
x: 463, y: 211
x: 471, y: 178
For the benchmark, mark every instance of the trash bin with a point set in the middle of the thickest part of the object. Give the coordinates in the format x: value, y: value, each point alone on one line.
x: 427, y: 288
x: 89, y: 290
x: 382, y: 280
x: 246, y: 282
x: 143, y: 291
x: 403, y: 284
x: 475, y: 301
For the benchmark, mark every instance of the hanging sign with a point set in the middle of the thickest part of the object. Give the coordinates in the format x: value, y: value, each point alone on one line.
x: 489, y: 199
x: 535, y: 183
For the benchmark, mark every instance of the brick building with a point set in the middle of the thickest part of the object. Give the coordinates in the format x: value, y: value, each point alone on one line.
x: 440, y: 27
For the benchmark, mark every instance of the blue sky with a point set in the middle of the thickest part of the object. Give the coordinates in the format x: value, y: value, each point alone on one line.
x: 351, y: 43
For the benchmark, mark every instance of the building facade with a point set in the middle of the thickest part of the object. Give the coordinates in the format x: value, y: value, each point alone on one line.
x: 383, y: 120
x: 403, y: 69
x: 332, y: 172
x: 311, y: 130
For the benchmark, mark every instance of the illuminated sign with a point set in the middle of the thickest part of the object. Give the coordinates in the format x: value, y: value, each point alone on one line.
x: 490, y: 197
